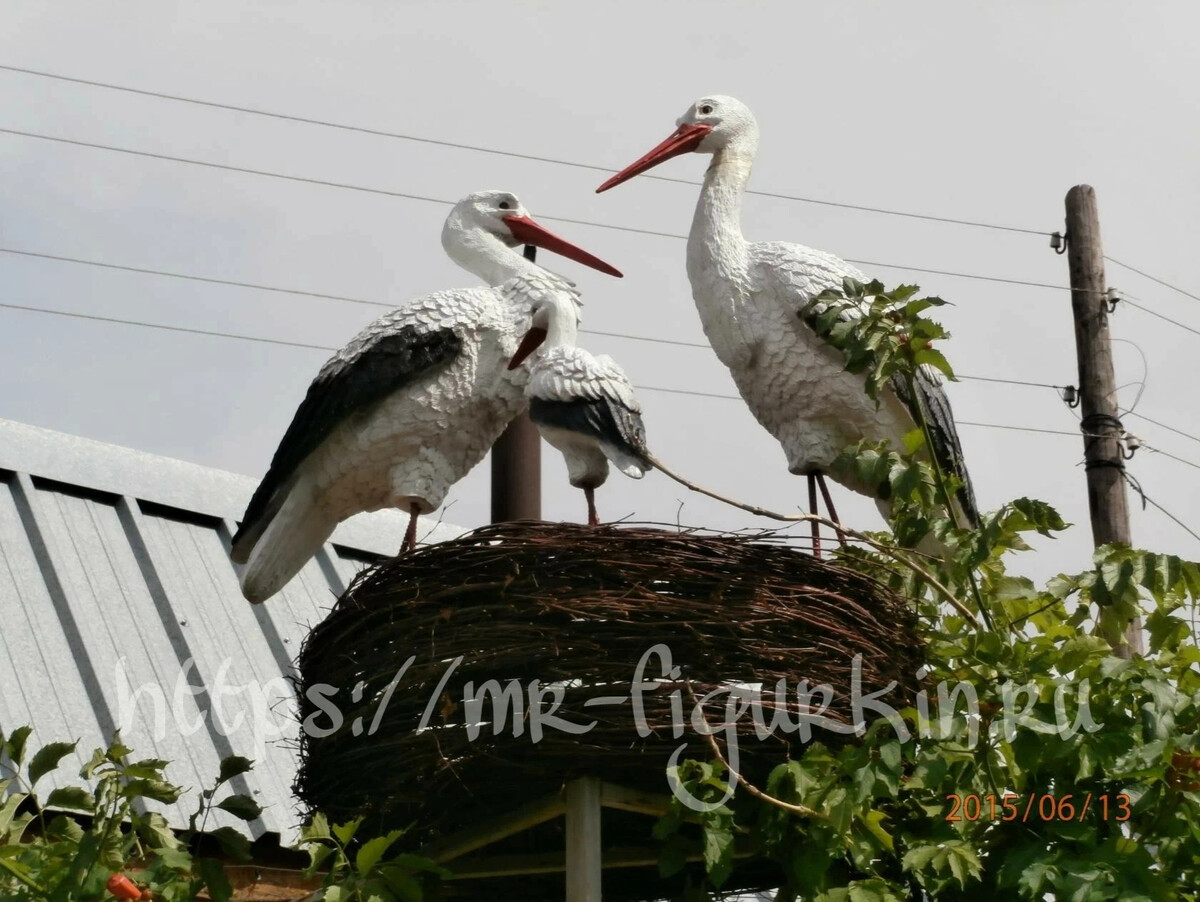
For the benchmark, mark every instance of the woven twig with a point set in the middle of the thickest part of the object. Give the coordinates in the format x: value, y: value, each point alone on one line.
x: 577, y: 606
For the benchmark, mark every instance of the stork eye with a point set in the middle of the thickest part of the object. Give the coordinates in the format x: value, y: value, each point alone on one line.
x: 706, y: 109
x: 504, y: 205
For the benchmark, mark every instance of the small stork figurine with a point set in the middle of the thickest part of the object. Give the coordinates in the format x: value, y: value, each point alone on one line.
x: 583, y: 405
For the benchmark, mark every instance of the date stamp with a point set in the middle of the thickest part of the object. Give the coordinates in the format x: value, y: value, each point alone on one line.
x: 1038, y: 807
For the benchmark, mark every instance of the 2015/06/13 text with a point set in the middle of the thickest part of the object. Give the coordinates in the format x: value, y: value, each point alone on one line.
x: 1038, y: 806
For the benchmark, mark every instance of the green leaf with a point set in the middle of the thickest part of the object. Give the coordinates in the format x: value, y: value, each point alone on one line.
x: 241, y: 806
x: 345, y: 832
x: 48, y: 758
x: 372, y: 850
x: 148, y: 768
x: 16, y: 744
x: 233, y: 766
x: 718, y: 852
x: 98, y: 759
x: 177, y: 859
x: 317, y: 855
x: 8, y: 811
x: 156, y: 790
x: 232, y: 843
x: 71, y: 797
x: 65, y: 828
x: 317, y: 828
x: 673, y: 856
x: 406, y: 887
x: 873, y: 821
x: 215, y: 879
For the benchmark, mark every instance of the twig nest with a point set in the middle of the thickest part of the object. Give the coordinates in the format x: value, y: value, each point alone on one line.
x: 614, y: 646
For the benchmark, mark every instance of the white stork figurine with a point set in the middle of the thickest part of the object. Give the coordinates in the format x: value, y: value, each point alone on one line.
x: 411, y: 404
x: 748, y: 295
x: 581, y: 404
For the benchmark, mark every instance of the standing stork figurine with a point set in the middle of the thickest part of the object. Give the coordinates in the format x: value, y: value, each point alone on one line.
x: 411, y: 404
x: 582, y: 404
x: 749, y: 296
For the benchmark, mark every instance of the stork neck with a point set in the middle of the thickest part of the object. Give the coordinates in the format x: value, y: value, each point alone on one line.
x: 563, y: 328
x: 484, y: 255
x: 717, y: 225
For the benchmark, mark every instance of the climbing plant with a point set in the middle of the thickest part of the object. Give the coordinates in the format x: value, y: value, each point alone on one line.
x: 1038, y: 763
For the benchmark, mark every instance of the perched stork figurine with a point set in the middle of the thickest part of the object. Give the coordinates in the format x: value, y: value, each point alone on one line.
x: 581, y: 404
x: 411, y: 404
x: 748, y: 296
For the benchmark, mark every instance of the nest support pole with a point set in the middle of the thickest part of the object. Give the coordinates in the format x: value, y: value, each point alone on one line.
x: 584, y: 865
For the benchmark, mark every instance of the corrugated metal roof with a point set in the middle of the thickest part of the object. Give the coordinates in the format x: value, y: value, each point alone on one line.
x: 119, y: 606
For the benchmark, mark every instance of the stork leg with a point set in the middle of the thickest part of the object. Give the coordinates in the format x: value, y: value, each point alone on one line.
x: 410, y: 535
x: 837, y: 524
x: 590, y: 494
x: 812, y: 507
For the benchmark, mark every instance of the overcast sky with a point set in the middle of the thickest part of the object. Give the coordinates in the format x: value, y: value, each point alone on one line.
x: 974, y: 111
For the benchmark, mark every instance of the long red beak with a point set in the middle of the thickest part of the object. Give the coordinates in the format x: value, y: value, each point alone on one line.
x: 529, y: 343
x: 527, y: 231
x: 684, y: 139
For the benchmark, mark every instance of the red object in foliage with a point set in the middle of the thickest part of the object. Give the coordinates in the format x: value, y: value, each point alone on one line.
x: 123, y: 888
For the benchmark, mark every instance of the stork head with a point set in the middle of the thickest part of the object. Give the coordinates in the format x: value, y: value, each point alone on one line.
x: 554, y: 319
x: 501, y: 216
x: 709, y: 125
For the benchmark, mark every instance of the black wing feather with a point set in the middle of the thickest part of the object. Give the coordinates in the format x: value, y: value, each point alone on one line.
x: 947, y: 450
x: 386, y: 364
x: 602, y: 418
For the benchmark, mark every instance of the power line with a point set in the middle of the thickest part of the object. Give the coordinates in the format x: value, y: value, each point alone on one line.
x: 306, y: 120
x: 1163, y: 282
x: 442, y: 201
x: 1126, y: 300
x: 1016, y: 428
x: 315, y: 347
x: 1146, y: 498
x: 1142, y: 416
x: 165, y: 328
x: 1170, y: 455
x: 258, y: 286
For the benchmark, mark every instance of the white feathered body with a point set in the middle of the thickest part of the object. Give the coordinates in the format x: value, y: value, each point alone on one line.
x: 424, y: 438
x: 409, y: 446
x: 569, y: 380
x: 794, y: 382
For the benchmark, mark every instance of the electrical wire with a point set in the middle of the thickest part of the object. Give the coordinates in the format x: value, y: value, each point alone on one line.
x: 306, y: 120
x: 59, y: 258
x: 1144, y: 274
x: 1142, y: 416
x: 1125, y: 299
x: 441, y: 201
x: 305, y: 345
x: 1137, y: 488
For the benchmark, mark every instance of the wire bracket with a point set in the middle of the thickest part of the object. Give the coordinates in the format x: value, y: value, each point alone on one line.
x: 1058, y: 241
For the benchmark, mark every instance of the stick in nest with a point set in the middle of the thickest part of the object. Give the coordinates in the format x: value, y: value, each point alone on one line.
x: 891, y: 552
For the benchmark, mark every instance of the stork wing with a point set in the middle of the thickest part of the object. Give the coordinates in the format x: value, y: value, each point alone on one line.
x: 805, y: 273
x: 573, y: 390
x: 392, y: 352
x: 932, y: 403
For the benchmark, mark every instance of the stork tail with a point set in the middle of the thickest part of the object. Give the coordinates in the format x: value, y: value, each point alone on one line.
x: 294, y: 535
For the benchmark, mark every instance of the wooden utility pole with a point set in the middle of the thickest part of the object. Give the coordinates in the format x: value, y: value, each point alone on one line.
x: 1107, y: 501
x: 517, y: 465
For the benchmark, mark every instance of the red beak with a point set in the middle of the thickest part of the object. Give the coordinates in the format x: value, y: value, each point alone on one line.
x: 527, y: 231
x: 684, y: 139
x: 529, y: 343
